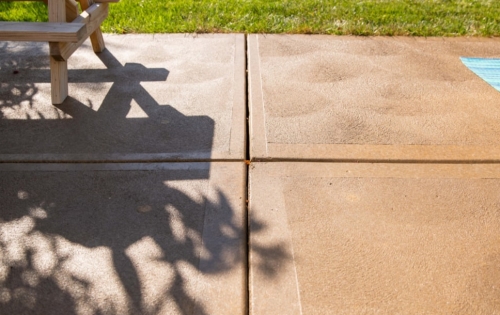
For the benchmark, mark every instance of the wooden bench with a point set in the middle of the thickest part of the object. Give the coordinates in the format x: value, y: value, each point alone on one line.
x: 66, y: 30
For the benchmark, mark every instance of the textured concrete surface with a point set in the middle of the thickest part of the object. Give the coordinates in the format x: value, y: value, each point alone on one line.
x: 325, y: 238
x: 117, y: 239
x: 146, y: 98
x: 362, y: 98
x: 375, y: 238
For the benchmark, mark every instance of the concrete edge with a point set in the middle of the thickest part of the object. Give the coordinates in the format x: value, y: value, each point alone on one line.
x: 377, y: 153
x: 214, y: 214
x: 237, y: 142
x: 376, y: 170
x: 118, y: 157
x: 69, y: 167
x: 268, y: 206
x: 258, y: 139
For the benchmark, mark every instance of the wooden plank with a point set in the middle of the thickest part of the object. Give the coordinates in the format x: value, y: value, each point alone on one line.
x: 58, y: 69
x: 96, y: 37
x: 71, y: 10
x: 57, y: 10
x: 93, y: 17
x: 58, y: 80
x: 42, y: 32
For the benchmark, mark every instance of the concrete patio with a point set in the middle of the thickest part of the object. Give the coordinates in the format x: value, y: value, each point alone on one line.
x: 366, y: 180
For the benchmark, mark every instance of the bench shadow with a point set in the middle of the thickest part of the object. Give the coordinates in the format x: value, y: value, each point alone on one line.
x: 128, y: 121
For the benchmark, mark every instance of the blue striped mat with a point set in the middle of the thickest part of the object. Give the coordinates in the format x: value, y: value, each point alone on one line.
x: 487, y: 69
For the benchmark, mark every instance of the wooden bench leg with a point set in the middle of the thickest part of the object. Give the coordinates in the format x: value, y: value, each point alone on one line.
x: 71, y: 9
x: 58, y: 80
x: 95, y: 38
x: 97, y: 41
x: 58, y: 69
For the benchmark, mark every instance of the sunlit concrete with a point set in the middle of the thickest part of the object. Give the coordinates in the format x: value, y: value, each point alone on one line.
x: 145, y: 98
x: 123, y: 239
x: 374, y: 238
x: 371, y: 98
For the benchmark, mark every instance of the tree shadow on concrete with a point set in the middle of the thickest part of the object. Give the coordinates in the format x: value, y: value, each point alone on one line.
x: 122, y: 241
x: 117, y: 242
x: 15, y: 86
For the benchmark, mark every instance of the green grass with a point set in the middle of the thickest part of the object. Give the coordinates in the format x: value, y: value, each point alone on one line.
x: 341, y: 17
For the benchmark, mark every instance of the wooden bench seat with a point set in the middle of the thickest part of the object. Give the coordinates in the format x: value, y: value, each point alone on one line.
x: 42, y: 32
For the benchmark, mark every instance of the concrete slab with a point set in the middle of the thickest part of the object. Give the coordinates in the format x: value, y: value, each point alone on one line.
x: 123, y: 238
x: 374, y: 238
x: 371, y: 99
x: 146, y: 98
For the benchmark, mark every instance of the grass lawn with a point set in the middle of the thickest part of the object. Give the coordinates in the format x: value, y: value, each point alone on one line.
x: 342, y: 17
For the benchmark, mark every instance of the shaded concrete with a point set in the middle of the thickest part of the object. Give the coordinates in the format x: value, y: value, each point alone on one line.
x: 377, y: 238
x: 123, y: 238
x: 360, y: 98
x: 146, y: 98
